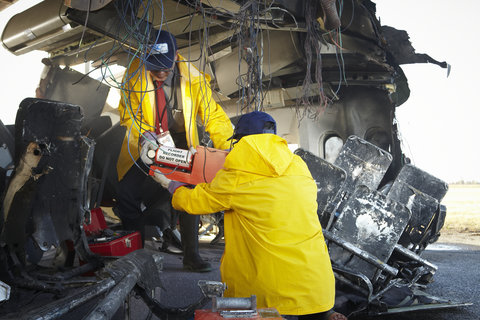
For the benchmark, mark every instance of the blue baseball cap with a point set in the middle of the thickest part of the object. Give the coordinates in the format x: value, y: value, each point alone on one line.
x: 254, y: 123
x: 162, y: 54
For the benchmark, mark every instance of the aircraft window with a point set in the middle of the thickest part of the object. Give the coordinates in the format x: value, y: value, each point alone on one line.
x: 332, y: 147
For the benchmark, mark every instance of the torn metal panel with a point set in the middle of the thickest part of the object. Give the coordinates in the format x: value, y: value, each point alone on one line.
x: 371, y: 222
x: 401, y: 49
x: 70, y: 86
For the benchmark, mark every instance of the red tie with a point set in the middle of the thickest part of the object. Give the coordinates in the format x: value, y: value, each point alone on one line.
x: 161, y: 118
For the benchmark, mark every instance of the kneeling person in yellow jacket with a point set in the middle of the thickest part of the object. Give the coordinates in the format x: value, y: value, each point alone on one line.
x: 274, y: 246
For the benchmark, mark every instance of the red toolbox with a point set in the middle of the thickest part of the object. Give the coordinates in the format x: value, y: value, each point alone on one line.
x: 119, y: 244
x: 96, y: 224
x: 106, y: 242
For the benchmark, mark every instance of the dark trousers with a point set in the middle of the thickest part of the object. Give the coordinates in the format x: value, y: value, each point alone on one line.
x: 136, y: 188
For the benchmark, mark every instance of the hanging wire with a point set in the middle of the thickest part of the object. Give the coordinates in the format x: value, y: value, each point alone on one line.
x: 313, y: 100
x: 250, y: 39
x: 306, y: 106
x: 250, y: 36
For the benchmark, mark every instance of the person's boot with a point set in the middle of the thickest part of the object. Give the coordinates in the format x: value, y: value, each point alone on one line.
x: 189, y: 233
x: 172, y: 241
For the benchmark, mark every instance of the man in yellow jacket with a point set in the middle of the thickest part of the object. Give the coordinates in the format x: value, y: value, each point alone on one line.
x: 274, y: 246
x: 160, y: 93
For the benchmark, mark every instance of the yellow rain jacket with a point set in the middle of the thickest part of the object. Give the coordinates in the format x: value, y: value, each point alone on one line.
x: 138, y: 102
x: 274, y: 246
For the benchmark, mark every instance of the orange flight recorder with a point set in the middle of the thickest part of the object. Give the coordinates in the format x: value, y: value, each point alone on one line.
x: 183, y: 166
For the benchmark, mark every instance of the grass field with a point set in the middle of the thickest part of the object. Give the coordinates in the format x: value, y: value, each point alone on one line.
x: 463, y: 209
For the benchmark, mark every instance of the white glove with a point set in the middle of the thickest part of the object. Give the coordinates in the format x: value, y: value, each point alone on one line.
x: 161, y: 179
x: 149, y: 142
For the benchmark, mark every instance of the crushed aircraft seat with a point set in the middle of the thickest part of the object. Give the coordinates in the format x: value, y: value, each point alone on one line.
x: 364, y: 163
x: 367, y: 257
x: 45, y: 199
x: 422, y: 181
x: 421, y: 193
x: 364, y: 236
x: 329, y: 179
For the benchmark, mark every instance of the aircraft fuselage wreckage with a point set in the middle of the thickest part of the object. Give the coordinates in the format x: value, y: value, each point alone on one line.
x: 327, y: 71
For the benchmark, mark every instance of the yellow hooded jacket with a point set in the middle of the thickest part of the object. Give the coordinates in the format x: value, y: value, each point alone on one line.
x: 274, y: 246
x: 138, y: 103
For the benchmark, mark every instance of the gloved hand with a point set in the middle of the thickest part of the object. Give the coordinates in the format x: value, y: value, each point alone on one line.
x: 174, y: 185
x: 148, y: 142
x: 170, y: 185
x: 161, y: 179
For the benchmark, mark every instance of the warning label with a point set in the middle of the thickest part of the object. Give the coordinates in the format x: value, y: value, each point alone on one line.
x: 174, y: 157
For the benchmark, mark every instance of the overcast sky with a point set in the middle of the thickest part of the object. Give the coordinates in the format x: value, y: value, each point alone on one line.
x: 437, y: 122
x: 21, y: 74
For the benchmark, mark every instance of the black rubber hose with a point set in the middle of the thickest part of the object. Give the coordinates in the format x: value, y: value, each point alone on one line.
x: 166, y: 312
